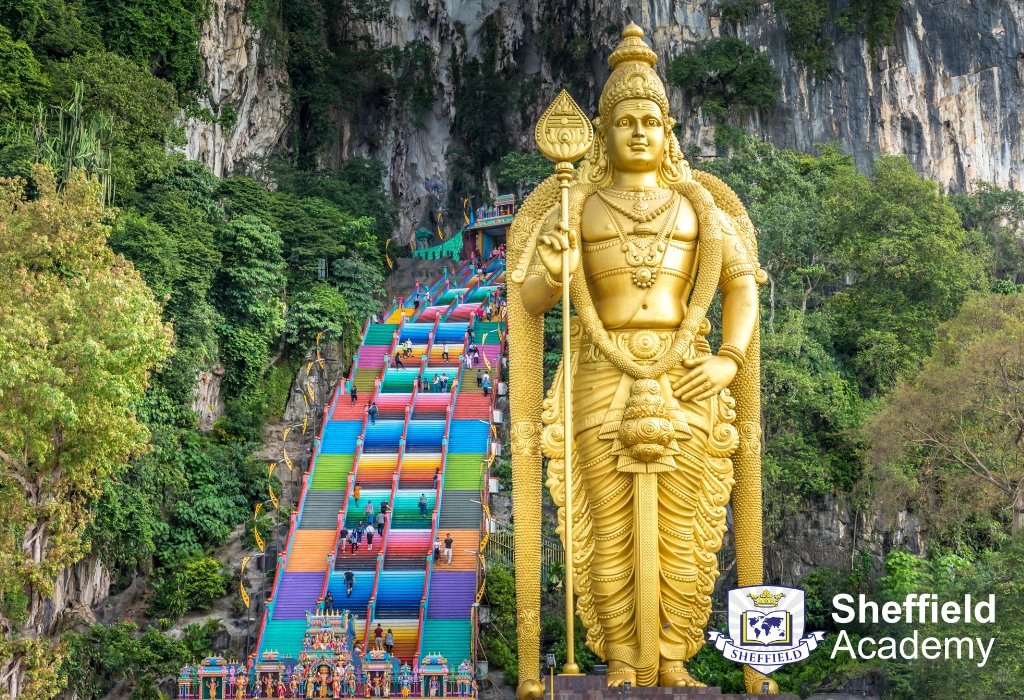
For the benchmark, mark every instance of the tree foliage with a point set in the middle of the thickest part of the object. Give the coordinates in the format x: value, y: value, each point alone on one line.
x: 957, y: 425
x: 80, y: 333
x: 727, y: 76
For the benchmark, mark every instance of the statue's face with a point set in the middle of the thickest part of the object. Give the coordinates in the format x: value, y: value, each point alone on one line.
x: 635, y: 136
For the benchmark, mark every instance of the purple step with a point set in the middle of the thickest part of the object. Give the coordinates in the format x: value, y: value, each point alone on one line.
x: 452, y: 594
x: 297, y: 592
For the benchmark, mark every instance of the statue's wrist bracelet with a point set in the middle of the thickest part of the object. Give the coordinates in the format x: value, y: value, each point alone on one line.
x: 550, y: 281
x: 733, y: 353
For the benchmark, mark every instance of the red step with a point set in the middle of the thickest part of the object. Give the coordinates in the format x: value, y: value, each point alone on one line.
x: 471, y: 405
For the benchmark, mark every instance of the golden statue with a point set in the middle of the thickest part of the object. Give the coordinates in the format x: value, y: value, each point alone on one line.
x: 663, y: 430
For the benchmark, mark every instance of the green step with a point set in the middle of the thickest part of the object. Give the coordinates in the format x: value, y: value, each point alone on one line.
x: 284, y: 636
x: 462, y: 472
x: 380, y: 334
x: 332, y: 472
x: 481, y: 329
x: 449, y: 638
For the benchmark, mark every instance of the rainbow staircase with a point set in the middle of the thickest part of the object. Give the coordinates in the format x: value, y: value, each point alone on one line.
x: 425, y: 445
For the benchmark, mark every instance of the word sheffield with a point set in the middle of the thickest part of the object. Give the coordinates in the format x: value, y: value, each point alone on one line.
x: 926, y: 605
x: 921, y: 608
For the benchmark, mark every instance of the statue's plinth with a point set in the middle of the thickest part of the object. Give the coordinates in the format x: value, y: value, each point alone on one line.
x: 596, y: 688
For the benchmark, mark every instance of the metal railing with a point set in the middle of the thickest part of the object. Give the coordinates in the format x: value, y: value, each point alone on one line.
x: 501, y: 544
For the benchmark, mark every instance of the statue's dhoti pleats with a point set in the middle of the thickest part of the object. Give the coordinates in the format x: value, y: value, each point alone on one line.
x: 655, y: 532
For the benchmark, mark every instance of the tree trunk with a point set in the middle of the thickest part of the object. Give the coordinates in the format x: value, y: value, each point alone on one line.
x: 1018, y: 513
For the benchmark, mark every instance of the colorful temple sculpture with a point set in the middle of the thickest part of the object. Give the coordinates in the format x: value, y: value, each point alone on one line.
x: 348, y: 617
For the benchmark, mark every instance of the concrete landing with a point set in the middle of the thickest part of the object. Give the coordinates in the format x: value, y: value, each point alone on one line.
x: 596, y: 688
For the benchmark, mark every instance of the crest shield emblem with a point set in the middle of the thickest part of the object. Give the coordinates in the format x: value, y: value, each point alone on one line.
x: 766, y: 628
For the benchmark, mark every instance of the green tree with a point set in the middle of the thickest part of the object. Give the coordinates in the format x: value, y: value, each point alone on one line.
x: 144, y: 110
x: 157, y: 35
x: 318, y: 309
x: 79, y: 334
x: 22, y: 81
x: 726, y: 74
x: 910, y: 263
x: 249, y: 293
x: 957, y: 426
x: 522, y: 172
x: 360, y: 286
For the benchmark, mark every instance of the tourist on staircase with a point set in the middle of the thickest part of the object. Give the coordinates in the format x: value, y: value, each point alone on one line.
x: 381, y: 520
x: 437, y: 548
x: 398, y: 360
x: 444, y: 352
x: 378, y: 637
x: 423, y: 505
x: 486, y: 383
x: 354, y: 394
x: 353, y: 541
x: 448, y: 541
x: 372, y: 413
x: 350, y: 581
x: 369, y: 537
x: 343, y: 539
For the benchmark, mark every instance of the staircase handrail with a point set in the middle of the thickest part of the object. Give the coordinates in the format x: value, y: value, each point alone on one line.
x: 295, y: 520
x: 423, y: 607
x: 371, y: 606
x: 387, y: 520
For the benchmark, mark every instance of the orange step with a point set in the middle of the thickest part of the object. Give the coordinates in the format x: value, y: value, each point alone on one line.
x: 310, y: 549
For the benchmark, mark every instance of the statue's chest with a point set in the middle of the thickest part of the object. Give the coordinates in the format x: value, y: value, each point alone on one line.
x: 663, y: 255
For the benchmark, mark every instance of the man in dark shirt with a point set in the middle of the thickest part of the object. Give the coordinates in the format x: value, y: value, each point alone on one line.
x: 350, y: 581
x: 448, y: 548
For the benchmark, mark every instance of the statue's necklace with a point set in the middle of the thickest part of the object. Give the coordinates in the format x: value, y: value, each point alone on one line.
x: 641, y: 213
x: 642, y: 254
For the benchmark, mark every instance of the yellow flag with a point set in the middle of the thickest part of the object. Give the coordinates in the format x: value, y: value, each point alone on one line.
x: 312, y: 396
x: 241, y: 581
x: 287, y: 460
x: 273, y: 498
x: 304, y: 418
x: 255, y: 529
x: 318, y: 337
x: 439, y: 234
x: 284, y: 438
x: 309, y: 367
x: 387, y: 258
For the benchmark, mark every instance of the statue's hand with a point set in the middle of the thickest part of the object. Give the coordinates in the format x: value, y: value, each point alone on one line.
x: 550, y: 246
x: 708, y: 375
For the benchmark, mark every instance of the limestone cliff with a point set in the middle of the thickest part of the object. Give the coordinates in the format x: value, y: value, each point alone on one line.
x: 947, y: 93
x: 241, y: 79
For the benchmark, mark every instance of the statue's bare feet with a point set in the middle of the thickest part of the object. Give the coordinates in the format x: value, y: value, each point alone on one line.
x: 757, y: 682
x: 620, y: 672
x: 673, y: 674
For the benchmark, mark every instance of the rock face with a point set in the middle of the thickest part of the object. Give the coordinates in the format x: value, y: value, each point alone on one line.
x: 947, y: 93
x: 241, y: 75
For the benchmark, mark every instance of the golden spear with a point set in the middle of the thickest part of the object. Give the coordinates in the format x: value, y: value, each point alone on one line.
x: 563, y: 135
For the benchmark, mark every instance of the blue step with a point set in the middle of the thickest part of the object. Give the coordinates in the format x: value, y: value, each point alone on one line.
x: 340, y: 437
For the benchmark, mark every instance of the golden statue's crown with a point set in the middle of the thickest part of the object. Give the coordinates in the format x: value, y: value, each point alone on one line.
x: 766, y: 599
x: 633, y: 74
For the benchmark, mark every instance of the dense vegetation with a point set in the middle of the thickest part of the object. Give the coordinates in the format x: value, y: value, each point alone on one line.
x: 245, y: 276
x: 812, y: 26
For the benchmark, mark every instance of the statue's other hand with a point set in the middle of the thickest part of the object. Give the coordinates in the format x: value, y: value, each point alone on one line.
x: 708, y: 375
x: 550, y: 246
